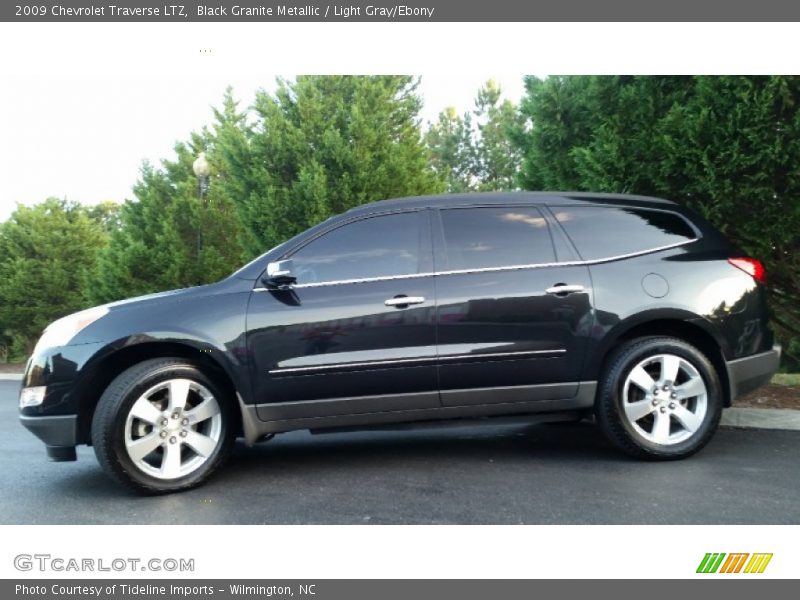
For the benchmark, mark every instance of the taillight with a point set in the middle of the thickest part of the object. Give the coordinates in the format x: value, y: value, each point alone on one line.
x: 752, y: 267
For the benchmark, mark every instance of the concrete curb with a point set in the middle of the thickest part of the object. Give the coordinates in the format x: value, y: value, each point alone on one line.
x: 10, y: 376
x: 761, y: 418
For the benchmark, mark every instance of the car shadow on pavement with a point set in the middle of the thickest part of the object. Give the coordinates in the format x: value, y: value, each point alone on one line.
x: 464, y: 446
x: 300, y: 455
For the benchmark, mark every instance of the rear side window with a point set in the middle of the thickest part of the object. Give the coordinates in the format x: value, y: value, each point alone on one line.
x: 382, y: 246
x: 606, y: 231
x: 482, y: 238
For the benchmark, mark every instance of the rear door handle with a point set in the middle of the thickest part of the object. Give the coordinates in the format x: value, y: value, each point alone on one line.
x: 563, y: 289
x: 404, y: 300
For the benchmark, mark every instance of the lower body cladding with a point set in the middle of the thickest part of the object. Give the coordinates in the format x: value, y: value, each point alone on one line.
x: 751, y: 372
x: 58, y: 432
x: 550, y: 402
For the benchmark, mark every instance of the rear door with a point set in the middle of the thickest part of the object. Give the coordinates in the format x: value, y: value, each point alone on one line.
x: 511, y: 320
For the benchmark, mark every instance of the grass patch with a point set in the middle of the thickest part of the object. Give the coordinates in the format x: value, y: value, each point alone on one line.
x: 788, y: 379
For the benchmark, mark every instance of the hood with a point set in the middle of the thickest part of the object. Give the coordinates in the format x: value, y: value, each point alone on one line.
x: 176, y: 294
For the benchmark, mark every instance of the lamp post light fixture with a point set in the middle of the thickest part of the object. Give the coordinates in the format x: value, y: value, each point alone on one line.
x: 202, y: 170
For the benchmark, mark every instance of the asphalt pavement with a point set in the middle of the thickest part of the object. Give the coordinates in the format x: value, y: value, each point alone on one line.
x: 511, y: 474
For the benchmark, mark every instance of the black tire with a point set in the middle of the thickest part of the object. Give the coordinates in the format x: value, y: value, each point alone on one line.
x: 628, y: 436
x: 110, y: 417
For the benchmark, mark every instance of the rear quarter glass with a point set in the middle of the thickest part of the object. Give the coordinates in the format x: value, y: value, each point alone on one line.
x: 606, y: 231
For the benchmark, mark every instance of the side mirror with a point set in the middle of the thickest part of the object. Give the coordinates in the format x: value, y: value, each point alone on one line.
x: 279, y: 275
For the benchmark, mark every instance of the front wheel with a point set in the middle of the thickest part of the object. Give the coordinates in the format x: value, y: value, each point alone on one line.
x: 162, y: 426
x: 660, y: 398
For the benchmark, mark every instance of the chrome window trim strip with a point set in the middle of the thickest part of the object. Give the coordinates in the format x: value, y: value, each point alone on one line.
x: 573, y: 263
x: 371, y: 363
x: 347, y: 281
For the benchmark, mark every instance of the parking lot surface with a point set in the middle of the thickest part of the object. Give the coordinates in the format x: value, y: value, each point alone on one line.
x: 534, y: 474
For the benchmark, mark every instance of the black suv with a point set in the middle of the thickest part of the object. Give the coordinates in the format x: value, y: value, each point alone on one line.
x: 546, y: 306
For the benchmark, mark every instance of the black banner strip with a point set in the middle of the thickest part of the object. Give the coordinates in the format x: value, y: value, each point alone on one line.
x: 408, y: 11
x: 731, y: 588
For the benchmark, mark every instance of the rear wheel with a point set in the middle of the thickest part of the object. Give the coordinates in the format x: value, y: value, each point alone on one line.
x: 660, y: 398
x: 162, y: 426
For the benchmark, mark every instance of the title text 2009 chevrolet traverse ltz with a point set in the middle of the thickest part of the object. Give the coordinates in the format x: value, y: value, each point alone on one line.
x: 545, y: 306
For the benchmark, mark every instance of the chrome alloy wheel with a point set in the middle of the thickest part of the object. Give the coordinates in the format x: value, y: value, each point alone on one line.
x: 664, y: 399
x: 173, y: 428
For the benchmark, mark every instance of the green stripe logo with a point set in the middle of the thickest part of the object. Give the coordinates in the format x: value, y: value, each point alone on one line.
x: 711, y: 562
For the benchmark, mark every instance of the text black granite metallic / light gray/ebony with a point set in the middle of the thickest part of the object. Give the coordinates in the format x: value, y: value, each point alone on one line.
x: 529, y: 306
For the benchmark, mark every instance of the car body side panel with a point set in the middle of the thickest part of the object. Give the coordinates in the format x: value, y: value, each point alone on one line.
x: 211, y: 324
x: 699, y: 288
x: 501, y: 328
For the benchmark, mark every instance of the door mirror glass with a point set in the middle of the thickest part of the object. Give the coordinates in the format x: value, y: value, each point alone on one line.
x: 279, y: 275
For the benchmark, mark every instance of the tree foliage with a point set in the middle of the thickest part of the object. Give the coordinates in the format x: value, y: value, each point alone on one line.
x: 45, y: 252
x: 452, y: 150
x: 475, y: 151
x: 726, y: 146
x: 170, y: 236
x: 319, y: 146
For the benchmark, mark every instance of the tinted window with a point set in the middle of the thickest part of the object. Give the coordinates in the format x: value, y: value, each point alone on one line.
x: 604, y: 231
x: 382, y: 246
x: 479, y: 238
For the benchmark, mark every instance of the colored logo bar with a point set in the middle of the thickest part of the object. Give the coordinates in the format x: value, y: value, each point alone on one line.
x: 737, y: 562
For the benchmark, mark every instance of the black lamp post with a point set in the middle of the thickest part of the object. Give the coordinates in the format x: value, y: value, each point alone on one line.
x: 202, y: 170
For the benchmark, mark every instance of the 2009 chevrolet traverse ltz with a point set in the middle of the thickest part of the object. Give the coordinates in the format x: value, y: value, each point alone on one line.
x: 544, y: 306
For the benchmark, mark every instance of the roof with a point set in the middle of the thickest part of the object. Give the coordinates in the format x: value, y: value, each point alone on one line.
x: 488, y: 198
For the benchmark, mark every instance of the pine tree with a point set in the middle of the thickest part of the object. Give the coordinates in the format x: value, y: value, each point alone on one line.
x: 474, y: 151
x: 170, y: 236
x: 319, y: 146
x: 452, y: 150
x: 45, y: 251
x: 727, y: 146
x: 497, y: 158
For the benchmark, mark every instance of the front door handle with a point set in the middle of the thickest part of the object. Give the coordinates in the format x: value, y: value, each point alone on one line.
x: 401, y: 301
x: 562, y: 289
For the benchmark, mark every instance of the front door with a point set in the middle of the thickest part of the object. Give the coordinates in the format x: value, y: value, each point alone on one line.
x: 357, y: 332
x: 513, y: 324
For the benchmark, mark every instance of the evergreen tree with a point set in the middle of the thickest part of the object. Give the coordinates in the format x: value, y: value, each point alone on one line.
x: 727, y: 146
x: 319, y: 146
x: 452, y: 150
x: 45, y: 251
x: 475, y: 151
x: 497, y: 158
x: 171, y: 237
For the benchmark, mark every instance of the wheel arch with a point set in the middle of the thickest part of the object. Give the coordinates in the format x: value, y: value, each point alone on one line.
x: 107, y: 367
x: 688, y: 328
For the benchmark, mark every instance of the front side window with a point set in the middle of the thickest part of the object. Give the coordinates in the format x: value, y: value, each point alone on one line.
x: 606, y: 231
x: 484, y: 238
x: 382, y: 246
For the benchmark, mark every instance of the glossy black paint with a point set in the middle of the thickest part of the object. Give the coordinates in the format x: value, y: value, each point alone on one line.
x: 494, y: 329
x: 341, y: 327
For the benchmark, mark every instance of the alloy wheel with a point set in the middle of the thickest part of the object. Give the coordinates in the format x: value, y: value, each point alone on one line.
x: 664, y: 399
x: 173, y: 428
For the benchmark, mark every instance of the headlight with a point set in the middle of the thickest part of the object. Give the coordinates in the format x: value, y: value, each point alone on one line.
x: 32, y: 396
x: 61, y: 332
